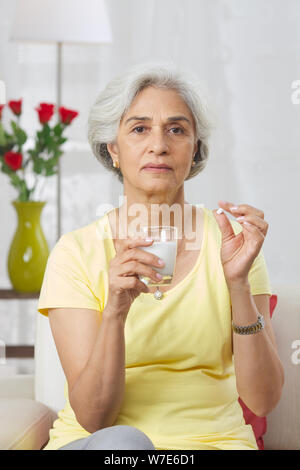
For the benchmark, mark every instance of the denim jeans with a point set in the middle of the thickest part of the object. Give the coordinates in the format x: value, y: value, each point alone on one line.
x: 113, y: 437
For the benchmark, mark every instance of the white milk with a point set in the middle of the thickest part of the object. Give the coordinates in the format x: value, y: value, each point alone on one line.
x: 166, y: 250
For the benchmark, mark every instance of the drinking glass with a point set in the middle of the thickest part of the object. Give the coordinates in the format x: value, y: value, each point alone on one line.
x: 165, y: 247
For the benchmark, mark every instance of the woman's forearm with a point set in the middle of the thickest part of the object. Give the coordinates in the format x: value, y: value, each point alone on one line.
x: 97, y: 395
x: 259, y: 371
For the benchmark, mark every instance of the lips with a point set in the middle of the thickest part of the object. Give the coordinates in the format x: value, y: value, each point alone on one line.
x: 154, y: 165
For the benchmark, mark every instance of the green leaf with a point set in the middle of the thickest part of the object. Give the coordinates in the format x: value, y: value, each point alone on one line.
x: 14, y: 126
x: 46, y: 128
x: 20, y: 135
x: 2, y: 136
x: 38, y: 165
x: 32, y: 153
x: 62, y: 140
x: 45, y: 132
x: 58, y: 130
x: 50, y: 172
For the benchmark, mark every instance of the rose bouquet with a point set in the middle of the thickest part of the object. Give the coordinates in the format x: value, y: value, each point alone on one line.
x: 26, y: 168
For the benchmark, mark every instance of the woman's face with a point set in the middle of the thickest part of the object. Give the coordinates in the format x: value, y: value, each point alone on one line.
x: 157, y: 128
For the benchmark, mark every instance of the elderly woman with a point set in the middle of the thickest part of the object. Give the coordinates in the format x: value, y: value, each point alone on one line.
x: 146, y: 372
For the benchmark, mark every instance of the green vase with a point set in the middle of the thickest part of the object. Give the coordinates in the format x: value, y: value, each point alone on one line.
x: 29, y: 249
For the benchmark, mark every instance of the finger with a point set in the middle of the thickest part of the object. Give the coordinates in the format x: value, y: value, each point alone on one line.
x: 224, y: 224
x: 132, y: 282
x: 127, y: 243
x: 241, y: 209
x: 132, y: 268
x: 138, y: 254
x: 256, y: 234
x: 261, y: 224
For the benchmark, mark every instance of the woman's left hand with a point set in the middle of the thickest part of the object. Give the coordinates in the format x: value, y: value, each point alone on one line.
x: 239, y: 251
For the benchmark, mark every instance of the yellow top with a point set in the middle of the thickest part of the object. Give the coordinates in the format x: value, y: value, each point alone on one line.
x: 180, y: 378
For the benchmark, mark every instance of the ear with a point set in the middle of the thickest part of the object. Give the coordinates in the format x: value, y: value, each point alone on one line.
x: 112, y: 147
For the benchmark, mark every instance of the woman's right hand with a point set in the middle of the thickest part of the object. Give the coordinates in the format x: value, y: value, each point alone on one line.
x: 124, y: 284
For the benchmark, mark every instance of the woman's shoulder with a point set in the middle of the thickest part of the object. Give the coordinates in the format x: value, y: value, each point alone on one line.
x: 84, y: 237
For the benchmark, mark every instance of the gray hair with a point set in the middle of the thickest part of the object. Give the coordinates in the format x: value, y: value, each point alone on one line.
x: 114, y: 101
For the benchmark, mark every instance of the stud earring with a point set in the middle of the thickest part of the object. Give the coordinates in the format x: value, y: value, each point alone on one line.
x: 116, y: 164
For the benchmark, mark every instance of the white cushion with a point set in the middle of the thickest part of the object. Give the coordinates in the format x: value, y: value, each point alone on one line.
x: 17, y: 386
x: 49, y: 375
x: 24, y: 424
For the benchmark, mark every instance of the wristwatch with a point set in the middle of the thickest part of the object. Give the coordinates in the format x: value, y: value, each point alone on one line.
x: 250, y: 329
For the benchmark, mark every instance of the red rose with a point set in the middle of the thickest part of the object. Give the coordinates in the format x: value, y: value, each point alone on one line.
x: 45, y: 112
x: 1, y: 107
x: 67, y: 115
x: 13, y: 160
x: 16, y: 107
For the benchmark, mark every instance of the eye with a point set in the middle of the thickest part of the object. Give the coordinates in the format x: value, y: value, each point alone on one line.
x: 138, y: 127
x: 179, y: 129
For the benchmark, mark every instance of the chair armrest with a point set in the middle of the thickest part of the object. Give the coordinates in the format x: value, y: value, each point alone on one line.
x: 25, y: 424
x: 17, y: 386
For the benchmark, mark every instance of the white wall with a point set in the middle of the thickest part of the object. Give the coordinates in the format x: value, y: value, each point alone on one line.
x: 247, y: 54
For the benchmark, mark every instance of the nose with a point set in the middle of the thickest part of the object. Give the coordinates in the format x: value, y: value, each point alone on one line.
x: 158, y: 141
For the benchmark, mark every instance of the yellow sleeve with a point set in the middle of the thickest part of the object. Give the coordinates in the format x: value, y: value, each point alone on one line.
x: 258, y: 275
x: 66, y: 283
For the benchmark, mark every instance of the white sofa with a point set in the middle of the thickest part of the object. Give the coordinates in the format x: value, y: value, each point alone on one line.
x: 29, y: 404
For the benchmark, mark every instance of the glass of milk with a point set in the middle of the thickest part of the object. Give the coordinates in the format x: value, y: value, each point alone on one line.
x: 165, y: 247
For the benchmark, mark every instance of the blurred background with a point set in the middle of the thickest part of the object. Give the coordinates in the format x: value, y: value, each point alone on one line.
x: 246, y: 53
